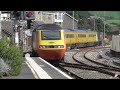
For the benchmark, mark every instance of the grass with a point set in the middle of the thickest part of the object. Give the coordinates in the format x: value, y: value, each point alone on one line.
x: 113, y: 14
x: 112, y: 22
x: 112, y: 18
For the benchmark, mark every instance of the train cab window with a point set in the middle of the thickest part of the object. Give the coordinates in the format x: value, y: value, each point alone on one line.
x: 49, y: 27
x: 50, y: 35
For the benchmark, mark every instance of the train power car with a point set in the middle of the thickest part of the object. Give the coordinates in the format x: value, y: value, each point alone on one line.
x: 49, y: 42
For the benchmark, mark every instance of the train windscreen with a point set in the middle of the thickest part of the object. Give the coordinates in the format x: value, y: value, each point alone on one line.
x: 49, y: 27
x: 50, y: 35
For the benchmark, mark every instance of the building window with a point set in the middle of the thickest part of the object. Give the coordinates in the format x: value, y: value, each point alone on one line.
x: 59, y: 23
x: 55, y: 16
x: 49, y: 17
x: 4, y: 18
x: 39, y: 12
x: 59, y: 16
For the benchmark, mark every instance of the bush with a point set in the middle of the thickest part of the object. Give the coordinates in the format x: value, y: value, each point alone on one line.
x: 12, y: 55
x: 106, y: 42
x: 3, y: 48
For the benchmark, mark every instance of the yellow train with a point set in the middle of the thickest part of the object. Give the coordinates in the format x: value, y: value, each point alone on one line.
x: 76, y: 38
x: 50, y: 41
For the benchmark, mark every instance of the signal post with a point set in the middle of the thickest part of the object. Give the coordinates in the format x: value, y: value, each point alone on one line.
x: 17, y: 16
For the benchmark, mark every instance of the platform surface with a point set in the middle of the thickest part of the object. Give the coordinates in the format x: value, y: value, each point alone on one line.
x: 38, y: 68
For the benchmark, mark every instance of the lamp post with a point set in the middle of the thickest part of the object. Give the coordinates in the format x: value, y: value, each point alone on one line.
x: 103, y: 30
x: 94, y: 24
x: 73, y: 19
x: 104, y: 25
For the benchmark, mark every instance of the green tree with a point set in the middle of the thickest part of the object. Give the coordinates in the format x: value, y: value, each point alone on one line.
x: 85, y: 23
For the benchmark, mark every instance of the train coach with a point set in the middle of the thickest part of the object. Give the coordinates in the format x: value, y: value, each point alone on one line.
x: 76, y: 38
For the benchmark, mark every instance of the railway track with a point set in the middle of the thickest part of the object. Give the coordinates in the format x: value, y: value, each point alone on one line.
x: 96, y: 66
x: 73, y: 75
x: 103, y: 66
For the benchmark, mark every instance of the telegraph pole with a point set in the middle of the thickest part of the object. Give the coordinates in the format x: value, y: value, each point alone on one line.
x: 94, y: 22
x: 0, y: 27
x: 104, y: 25
x: 73, y: 19
x: 104, y: 29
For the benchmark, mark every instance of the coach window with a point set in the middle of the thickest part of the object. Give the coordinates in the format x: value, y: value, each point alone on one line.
x: 55, y: 16
x: 81, y: 35
x: 66, y: 35
x: 91, y: 35
x: 71, y: 35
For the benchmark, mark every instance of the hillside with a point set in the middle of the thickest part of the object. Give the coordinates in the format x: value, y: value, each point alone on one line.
x: 112, y: 18
x: 112, y: 14
x: 85, y: 22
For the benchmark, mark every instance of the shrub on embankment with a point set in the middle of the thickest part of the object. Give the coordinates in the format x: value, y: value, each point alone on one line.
x: 12, y: 55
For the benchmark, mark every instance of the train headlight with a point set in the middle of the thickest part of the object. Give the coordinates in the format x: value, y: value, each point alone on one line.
x: 41, y: 46
x: 61, y: 46
x: 56, y: 46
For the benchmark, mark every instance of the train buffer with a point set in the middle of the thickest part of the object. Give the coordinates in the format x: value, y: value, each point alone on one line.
x: 41, y: 69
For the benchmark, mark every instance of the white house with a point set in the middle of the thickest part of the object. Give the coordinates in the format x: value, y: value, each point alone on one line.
x: 5, y: 15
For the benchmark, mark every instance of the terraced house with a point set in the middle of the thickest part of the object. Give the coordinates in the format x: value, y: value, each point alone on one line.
x: 6, y: 25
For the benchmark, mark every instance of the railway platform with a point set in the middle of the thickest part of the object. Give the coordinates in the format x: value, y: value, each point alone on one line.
x: 44, y: 70
x: 38, y: 68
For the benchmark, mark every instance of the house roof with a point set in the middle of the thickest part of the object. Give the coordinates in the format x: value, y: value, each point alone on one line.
x: 34, y: 24
x: 52, y: 12
x: 70, y: 16
x: 7, y: 26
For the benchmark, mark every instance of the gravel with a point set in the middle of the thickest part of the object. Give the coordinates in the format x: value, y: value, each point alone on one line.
x: 85, y: 74
x: 105, y: 58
